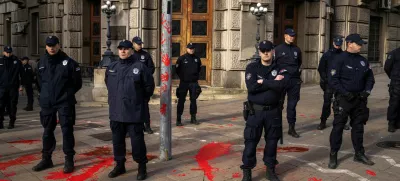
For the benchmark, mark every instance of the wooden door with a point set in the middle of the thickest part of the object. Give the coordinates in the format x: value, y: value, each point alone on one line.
x: 192, y: 22
x: 285, y: 17
x: 95, y: 32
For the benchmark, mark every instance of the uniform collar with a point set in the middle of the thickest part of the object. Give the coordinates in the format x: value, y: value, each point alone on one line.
x: 129, y: 60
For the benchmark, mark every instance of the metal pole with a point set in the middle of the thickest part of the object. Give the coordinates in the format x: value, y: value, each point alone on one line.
x: 165, y: 87
x: 108, y: 33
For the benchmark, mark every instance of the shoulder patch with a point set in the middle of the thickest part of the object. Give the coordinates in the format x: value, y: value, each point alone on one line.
x: 248, y: 76
x: 333, y: 72
x: 77, y: 69
x: 135, y: 71
x: 65, y: 62
x: 389, y: 57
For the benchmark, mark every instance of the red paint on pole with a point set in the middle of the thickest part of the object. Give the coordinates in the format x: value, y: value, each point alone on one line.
x: 29, y: 142
x: 165, y: 24
x: 236, y: 175
x: 370, y: 172
x: 209, y: 152
x: 19, y: 161
x: 165, y: 77
x: 91, y: 171
x: 9, y: 174
x: 163, y: 109
x: 314, y: 179
x: 99, y: 151
x: 166, y: 60
x: 163, y: 88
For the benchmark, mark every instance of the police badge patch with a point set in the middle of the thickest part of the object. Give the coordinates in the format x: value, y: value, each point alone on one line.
x: 65, y: 62
x: 195, y: 59
x: 142, y: 57
x: 333, y: 72
x: 15, y: 62
x: 362, y: 63
x: 248, y: 76
x: 135, y: 71
x: 274, y: 73
x: 295, y: 54
x: 389, y: 56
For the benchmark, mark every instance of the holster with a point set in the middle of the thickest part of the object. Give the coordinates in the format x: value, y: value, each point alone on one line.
x: 247, y: 109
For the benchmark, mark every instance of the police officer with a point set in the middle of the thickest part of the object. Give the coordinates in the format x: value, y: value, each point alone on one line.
x: 352, y: 80
x: 129, y: 82
x: 188, y: 68
x: 10, y: 74
x: 59, y: 78
x: 288, y: 56
x: 392, y: 69
x: 145, y: 58
x: 323, y: 69
x: 27, y: 81
x: 264, y: 84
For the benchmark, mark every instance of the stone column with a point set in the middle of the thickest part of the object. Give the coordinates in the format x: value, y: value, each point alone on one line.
x: 72, y: 41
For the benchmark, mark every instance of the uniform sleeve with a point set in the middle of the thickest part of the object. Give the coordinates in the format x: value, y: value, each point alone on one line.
x: 370, y: 80
x: 178, y: 65
x: 335, y: 75
x: 76, y: 77
x: 20, y: 72
x: 199, y: 64
x: 251, y: 80
x: 39, y: 76
x: 322, y: 67
x: 276, y: 85
x: 300, y: 61
x: 389, y: 63
x: 150, y: 64
x: 148, y: 82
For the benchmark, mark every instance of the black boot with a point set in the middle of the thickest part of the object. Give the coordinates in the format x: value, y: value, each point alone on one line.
x: 271, y: 175
x: 292, y: 131
x: 28, y: 108
x: 118, y: 170
x: 392, y: 127
x: 142, y: 172
x: 179, y: 121
x: 147, y: 128
x: 46, y: 163
x: 333, y: 160
x: 1, y: 125
x: 361, y: 158
x: 246, y: 175
x: 322, y: 125
x: 193, y: 120
x: 346, y: 127
x: 11, y: 125
x: 69, y: 164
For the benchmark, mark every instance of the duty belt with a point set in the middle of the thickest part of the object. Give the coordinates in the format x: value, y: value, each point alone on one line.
x: 257, y: 107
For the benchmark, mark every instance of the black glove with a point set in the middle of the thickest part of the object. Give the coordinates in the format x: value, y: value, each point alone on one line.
x: 350, y: 96
x: 364, y: 95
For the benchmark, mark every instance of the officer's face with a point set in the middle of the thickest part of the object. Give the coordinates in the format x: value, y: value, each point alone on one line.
x: 7, y: 54
x: 52, y: 50
x: 190, y: 51
x: 265, y: 55
x: 354, y: 47
x: 124, y: 53
x: 24, y: 62
x: 289, y: 39
x: 337, y: 47
x: 137, y: 46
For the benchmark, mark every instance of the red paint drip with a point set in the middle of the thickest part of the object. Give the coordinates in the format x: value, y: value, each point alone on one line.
x: 9, y: 174
x: 164, y: 77
x: 221, y: 126
x: 99, y: 151
x: 174, y: 171
x: 230, y: 125
x: 314, y: 179
x: 209, y: 152
x: 163, y: 109
x: 302, y: 115
x: 236, y: 175
x: 151, y: 157
x: 58, y: 175
x: 19, y: 161
x: 286, y: 149
x: 90, y: 172
x: 370, y: 172
x: 29, y: 142
x: 181, y: 175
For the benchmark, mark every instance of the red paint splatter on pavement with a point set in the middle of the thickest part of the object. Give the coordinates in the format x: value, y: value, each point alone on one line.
x: 370, y: 172
x: 3, y: 180
x: 163, y: 109
x: 58, y: 175
x: 209, y: 152
x: 166, y: 60
x: 19, y: 161
x: 99, y: 151
x: 151, y: 157
x: 10, y: 174
x: 29, y: 142
x: 230, y: 125
x: 91, y: 171
x: 181, y: 175
x: 221, y: 126
x: 174, y: 171
x: 236, y: 175
x: 287, y: 149
x: 234, y: 118
x: 314, y: 179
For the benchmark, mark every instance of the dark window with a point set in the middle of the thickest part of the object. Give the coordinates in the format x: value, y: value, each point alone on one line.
x: 203, y: 72
x: 276, y: 11
x: 201, y: 49
x: 288, y: 26
x: 96, y: 8
x: 176, y: 27
x: 176, y: 49
x: 199, y: 6
x: 276, y: 31
x: 289, y: 14
x: 373, y: 40
x: 96, y: 29
x: 176, y: 6
x: 35, y: 33
x: 199, y: 28
x: 96, y: 48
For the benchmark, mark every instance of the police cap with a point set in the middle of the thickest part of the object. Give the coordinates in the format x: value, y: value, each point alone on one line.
x: 265, y: 46
x: 355, y: 38
x: 290, y: 32
x: 137, y: 40
x: 52, y: 41
x: 8, y: 49
x: 125, y: 44
x: 338, y: 40
x: 190, y: 46
x: 25, y: 58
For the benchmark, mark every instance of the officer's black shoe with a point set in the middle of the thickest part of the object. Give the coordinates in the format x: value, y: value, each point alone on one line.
x: 28, y: 108
x: 333, y: 163
x: 69, y: 165
x: 43, y: 165
x: 11, y: 124
x: 1, y: 125
x: 179, y: 121
x: 246, y: 175
x: 148, y: 129
x: 117, y: 171
x: 271, y: 175
x: 292, y: 131
x: 392, y: 127
x: 361, y: 158
x: 346, y: 127
x: 322, y: 125
x: 142, y: 172
x: 193, y: 120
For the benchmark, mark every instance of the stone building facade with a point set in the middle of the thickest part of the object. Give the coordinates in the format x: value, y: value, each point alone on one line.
x: 223, y: 30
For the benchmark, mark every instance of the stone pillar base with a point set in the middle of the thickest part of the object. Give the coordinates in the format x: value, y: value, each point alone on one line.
x: 99, y: 92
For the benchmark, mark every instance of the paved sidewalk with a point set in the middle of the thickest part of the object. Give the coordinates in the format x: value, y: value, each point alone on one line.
x: 209, y: 151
